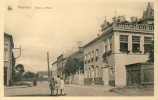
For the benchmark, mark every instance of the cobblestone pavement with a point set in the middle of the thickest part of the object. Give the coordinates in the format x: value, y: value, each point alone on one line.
x: 42, y: 89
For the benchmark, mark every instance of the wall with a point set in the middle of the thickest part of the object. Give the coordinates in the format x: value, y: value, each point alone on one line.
x: 76, y: 79
x: 120, y: 61
x: 8, y: 62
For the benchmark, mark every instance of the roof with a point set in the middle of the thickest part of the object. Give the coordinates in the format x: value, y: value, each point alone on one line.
x: 148, y: 14
x: 97, y: 38
x: 54, y: 62
x: 11, y: 39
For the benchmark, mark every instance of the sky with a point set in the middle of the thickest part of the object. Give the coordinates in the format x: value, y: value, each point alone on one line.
x: 57, y: 29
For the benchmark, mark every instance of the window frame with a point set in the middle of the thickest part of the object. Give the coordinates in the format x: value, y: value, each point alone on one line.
x: 123, y: 50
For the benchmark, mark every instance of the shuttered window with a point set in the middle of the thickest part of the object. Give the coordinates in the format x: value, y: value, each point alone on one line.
x: 136, y: 44
x: 123, y: 38
x: 136, y: 39
x: 123, y: 43
x: 147, y: 40
x: 147, y: 44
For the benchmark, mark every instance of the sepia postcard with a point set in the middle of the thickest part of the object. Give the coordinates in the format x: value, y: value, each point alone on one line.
x: 67, y: 49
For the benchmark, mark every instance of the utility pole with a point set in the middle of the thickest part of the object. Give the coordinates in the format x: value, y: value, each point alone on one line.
x: 48, y: 66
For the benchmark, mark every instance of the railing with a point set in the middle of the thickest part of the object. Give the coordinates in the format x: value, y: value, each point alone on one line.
x: 138, y: 26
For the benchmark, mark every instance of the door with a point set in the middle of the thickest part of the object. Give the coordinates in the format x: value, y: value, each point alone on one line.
x: 134, y: 77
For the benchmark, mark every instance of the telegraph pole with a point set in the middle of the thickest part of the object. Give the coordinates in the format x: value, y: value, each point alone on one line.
x: 48, y: 66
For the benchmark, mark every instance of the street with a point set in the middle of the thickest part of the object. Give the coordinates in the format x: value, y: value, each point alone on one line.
x: 42, y: 89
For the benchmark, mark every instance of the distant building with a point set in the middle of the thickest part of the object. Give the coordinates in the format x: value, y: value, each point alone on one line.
x: 9, y: 60
x: 61, y: 60
x: 121, y: 43
x: 43, y: 75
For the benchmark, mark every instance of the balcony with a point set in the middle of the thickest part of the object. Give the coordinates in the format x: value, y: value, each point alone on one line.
x: 136, y: 27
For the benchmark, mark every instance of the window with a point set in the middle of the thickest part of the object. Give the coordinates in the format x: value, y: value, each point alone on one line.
x: 123, y: 43
x: 92, y: 71
x: 97, y: 72
x: 89, y: 73
x: 92, y: 58
x: 111, y: 71
x: 86, y: 73
x: 5, y: 54
x: 110, y: 43
x: 89, y: 57
x: 147, y: 44
x: 136, y: 44
x: 106, y: 48
x: 96, y: 54
x: 85, y: 58
x: 110, y: 46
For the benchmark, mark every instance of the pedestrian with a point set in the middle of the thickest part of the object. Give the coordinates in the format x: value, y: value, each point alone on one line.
x: 52, y: 86
x: 62, y: 86
x: 34, y: 82
x: 57, y: 85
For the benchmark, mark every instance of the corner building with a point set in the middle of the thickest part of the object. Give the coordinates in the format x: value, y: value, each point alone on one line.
x: 121, y: 43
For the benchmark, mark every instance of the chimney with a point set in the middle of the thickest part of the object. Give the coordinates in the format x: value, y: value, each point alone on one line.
x: 114, y: 19
x: 133, y: 19
x: 121, y: 18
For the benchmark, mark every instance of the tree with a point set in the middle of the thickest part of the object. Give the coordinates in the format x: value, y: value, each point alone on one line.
x: 72, y: 65
x: 19, y: 70
x: 29, y: 74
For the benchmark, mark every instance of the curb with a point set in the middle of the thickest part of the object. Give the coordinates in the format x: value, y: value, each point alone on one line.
x: 18, y: 86
x: 107, y: 88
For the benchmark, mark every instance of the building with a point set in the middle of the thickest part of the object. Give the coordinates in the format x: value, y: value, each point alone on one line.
x: 9, y: 60
x: 61, y: 60
x: 121, y: 43
x: 54, y: 69
x: 43, y: 75
x: 76, y: 77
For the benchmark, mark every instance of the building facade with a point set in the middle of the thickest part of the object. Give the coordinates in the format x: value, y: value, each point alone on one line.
x: 9, y: 60
x: 43, y: 75
x: 54, y: 69
x: 121, y: 43
x: 61, y: 60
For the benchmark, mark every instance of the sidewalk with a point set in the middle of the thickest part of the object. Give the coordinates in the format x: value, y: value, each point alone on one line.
x: 25, y: 86
x: 106, y: 88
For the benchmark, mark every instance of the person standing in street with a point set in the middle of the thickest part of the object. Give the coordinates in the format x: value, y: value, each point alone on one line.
x: 62, y: 86
x: 34, y: 82
x: 52, y: 86
x: 57, y: 85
